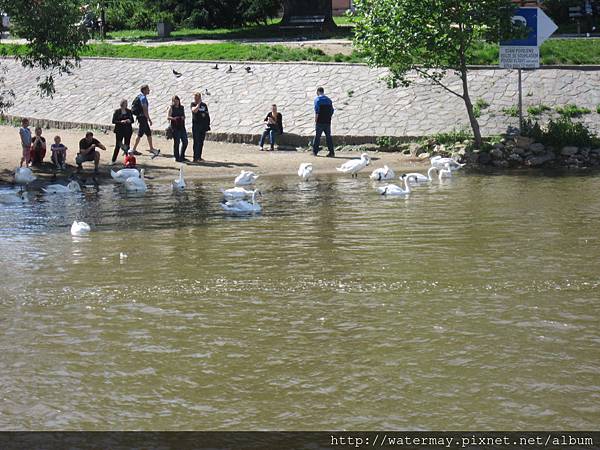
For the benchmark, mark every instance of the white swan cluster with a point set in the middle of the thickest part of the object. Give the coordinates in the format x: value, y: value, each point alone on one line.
x: 238, y: 200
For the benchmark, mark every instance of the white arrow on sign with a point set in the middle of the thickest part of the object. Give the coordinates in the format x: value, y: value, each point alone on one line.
x: 545, y: 27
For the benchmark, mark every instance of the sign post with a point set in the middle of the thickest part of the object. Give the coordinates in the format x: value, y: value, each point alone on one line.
x: 524, y: 53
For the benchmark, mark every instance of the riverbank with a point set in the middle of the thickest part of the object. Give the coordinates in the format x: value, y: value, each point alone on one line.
x: 222, y: 160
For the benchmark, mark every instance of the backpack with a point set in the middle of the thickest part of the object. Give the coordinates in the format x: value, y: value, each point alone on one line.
x: 136, y: 106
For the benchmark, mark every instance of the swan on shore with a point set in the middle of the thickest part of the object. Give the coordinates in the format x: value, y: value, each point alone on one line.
x: 393, y: 189
x: 24, y: 175
x: 305, y: 171
x: 245, y: 178
x: 382, y: 174
x: 241, y: 206
x: 79, y: 228
x: 416, y: 177
x: 355, y: 165
x: 122, y: 175
x: 179, y: 183
x: 136, y: 184
x: 70, y: 188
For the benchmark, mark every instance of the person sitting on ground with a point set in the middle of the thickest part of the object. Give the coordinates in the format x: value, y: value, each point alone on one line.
x: 38, y: 147
x: 130, y: 160
x: 25, y: 134
x: 59, y: 153
x: 273, y: 127
x: 88, y: 152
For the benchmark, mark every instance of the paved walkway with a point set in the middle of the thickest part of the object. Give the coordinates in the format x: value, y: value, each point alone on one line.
x: 238, y: 101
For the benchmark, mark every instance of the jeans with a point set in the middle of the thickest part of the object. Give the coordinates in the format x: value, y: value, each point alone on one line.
x: 121, y: 137
x: 198, y: 134
x: 179, y: 136
x: 321, y: 128
x: 272, y: 133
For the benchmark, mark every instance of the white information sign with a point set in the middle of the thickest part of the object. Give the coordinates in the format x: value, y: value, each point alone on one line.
x: 519, y: 57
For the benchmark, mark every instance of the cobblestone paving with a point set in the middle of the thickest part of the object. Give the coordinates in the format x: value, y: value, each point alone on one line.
x: 238, y: 101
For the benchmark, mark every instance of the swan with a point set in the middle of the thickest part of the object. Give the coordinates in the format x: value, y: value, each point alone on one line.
x: 393, y: 189
x: 24, y: 175
x: 416, y: 177
x: 446, y: 172
x: 136, y: 184
x: 79, y: 228
x: 123, y: 174
x: 305, y: 171
x: 243, y: 206
x: 355, y: 165
x: 439, y: 163
x: 72, y: 187
x: 236, y: 193
x: 8, y: 197
x: 179, y: 183
x: 245, y: 178
x: 382, y: 174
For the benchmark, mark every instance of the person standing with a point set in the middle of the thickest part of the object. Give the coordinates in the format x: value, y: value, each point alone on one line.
x: 123, y: 122
x: 323, y: 113
x: 200, y: 125
x: 143, y: 117
x: 25, y: 134
x: 273, y: 127
x: 38, y: 147
x: 176, y: 117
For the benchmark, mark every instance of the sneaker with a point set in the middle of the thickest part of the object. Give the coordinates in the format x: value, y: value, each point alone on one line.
x: 262, y: 149
x: 136, y: 153
x: 155, y: 153
x: 272, y: 149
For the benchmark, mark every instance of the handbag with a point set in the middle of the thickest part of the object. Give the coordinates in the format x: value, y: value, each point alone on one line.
x: 169, y: 132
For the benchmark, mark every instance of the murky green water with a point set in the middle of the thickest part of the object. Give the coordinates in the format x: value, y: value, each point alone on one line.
x: 471, y: 305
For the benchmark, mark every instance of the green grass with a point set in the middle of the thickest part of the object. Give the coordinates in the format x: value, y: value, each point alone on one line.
x: 572, y: 110
x: 598, y: 109
x: 452, y: 137
x: 537, y: 110
x: 479, y: 106
x: 511, y: 111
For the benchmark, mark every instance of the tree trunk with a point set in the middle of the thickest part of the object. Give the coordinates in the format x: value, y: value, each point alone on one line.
x: 469, y: 105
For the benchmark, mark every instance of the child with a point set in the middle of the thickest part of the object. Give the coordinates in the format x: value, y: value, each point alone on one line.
x: 25, y: 134
x: 59, y: 153
x: 130, y: 159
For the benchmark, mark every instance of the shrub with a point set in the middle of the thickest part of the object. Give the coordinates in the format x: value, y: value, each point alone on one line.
x: 571, y: 111
x: 480, y: 104
x: 537, y: 110
x: 560, y: 133
x: 511, y: 111
x: 386, y: 141
x: 452, y: 137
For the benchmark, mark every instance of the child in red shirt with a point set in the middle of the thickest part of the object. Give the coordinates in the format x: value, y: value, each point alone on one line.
x: 130, y: 159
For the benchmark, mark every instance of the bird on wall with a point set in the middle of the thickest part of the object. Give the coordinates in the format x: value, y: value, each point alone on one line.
x: 229, y: 69
x: 177, y: 74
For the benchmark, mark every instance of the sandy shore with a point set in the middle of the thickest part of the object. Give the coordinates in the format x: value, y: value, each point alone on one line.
x: 222, y: 160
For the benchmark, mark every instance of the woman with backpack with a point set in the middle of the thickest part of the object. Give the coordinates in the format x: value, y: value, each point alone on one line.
x: 123, y: 122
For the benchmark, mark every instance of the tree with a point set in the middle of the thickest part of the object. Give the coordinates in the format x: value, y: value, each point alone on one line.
x: 430, y: 37
x: 54, y: 38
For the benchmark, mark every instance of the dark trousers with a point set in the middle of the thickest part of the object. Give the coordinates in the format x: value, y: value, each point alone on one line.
x: 179, y: 137
x: 321, y: 128
x: 122, y: 137
x: 198, y: 134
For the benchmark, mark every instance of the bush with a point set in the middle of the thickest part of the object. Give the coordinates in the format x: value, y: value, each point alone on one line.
x: 560, y: 133
x: 480, y: 105
x: 452, y: 137
x: 511, y: 111
x: 537, y: 110
x: 571, y: 111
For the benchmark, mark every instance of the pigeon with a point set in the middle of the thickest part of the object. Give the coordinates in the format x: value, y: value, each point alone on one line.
x: 206, y: 92
x: 248, y: 69
x: 177, y: 74
x: 230, y: 69
x: 216, y: 67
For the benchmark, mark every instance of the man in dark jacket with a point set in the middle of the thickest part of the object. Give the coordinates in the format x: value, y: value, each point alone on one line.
x: 323, y: 112
x: 200, y: 125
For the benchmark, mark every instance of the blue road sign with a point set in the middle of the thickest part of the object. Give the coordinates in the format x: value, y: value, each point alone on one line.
x: 528, y: 17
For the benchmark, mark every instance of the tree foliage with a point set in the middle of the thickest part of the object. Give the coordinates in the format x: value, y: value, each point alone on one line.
x: 430, y: 37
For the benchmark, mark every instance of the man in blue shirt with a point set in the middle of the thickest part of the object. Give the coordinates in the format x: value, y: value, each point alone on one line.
x: 145, y: 122
x: 323, y: 112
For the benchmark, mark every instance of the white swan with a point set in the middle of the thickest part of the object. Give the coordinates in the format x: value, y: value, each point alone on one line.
x: 393, y: 189
x: 122, y: 175
x: 79, y: 228
x: 242, y: 206
x: 136, y: 184
x: 446, y: 172
x: 24, y: 175
x: 416, y: 177
x: 8, y: 197
x: 236, y: 193
x: 245, y: 178
x: 355, y: 165
x: 72, y: 187
x: 381, y: 174
x: 179, y: 183
x: 305, y: 171
x: 440, y: 163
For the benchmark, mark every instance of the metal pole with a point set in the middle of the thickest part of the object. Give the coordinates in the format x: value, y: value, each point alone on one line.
x: 520, y: 102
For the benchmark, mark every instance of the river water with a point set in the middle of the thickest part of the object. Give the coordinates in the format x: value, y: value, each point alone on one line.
x: 472, y: 304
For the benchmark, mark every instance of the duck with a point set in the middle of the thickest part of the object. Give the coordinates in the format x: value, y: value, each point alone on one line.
x: 124, y: 174
x: 136, y: 184
x: 24, y: 175
x: 179, y: 183
x: 236, y: 193
x: 80, y: 228
x: 383, y: 173
x: 72, y: 187
x: 355, y: 165
x: 241, y: 206
x: 416, y: 177
x: 439, y: 163
x: 393, y: 189
x: 245, y: 178
x: 305, y: 170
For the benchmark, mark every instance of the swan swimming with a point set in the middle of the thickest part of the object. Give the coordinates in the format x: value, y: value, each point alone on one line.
x: 305, y: 171
x: 440, y: 163
x: 242, y: 206
x: 24, y: 175
x: 122, y: 175
x: 236, y: 193
x: 8, y: 197
x: 355, y: 165
x: 416, y: 177
x: 393, y: 189
x: 446, y: 172
x: 72, y: 187
x: 245, y: 178
x: 80, y: 228
x: 382, y: 174
x: 179, y: 183
x: 136, y: 184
